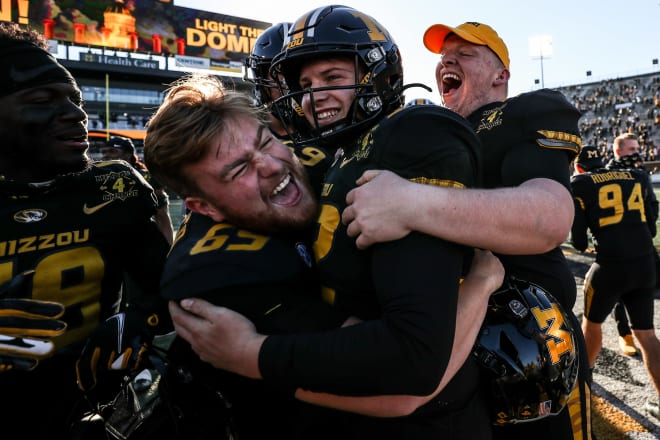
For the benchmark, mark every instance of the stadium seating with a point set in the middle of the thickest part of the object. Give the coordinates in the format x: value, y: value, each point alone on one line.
x: 616, y: 106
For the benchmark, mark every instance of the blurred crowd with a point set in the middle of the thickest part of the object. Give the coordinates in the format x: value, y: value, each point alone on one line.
x: 616, y: 106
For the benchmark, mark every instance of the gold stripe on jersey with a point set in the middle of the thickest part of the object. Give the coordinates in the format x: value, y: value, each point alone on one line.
x: 588, y: 291
x: 328, y: 295
x: 560, y: 140
x: 438, y: 182
x: 574, y: 410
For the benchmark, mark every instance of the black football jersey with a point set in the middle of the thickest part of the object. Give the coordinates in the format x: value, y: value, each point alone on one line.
x: 410, y: 284
x: 614, y: 206
x: 430, y: 156
x: 270, y: 279
x: 81, y: 232
x: 529, y: 136
x: 316, y: 160
x: 273, y: 281
x: 162, y: 197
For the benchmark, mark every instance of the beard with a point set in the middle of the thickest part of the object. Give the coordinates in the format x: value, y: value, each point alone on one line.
x: 291, y: 221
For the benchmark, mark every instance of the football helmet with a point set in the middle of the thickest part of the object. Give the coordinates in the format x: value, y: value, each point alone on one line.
x: 256, y: 67
x: 419, y: 101
x: 331, y: 31
x: 527, y: 349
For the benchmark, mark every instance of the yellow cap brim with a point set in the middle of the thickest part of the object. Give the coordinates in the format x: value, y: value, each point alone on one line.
x: 434, y: 37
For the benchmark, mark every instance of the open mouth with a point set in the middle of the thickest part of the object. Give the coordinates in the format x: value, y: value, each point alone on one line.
x: 282, y: 185
x: 286, y: 193
x: 450, y: 81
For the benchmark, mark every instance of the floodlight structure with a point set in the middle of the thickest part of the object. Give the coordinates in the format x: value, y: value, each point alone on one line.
x: 540, y: 48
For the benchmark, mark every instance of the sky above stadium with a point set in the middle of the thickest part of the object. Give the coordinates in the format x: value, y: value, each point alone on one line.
x: 610, y: 38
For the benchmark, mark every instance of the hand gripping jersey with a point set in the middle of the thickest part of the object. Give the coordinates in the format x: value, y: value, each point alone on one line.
x: 614, y: 204
x: 80, y: 233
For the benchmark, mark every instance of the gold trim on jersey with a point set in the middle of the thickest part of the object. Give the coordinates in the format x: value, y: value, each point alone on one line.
x: 361, y: 152
x: 612, y: 175
x: 328, y: 295
x: 560, y: 140
x: 490, y: 118
x: 34, y: 243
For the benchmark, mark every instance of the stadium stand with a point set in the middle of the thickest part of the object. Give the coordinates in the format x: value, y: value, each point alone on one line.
x: 615, y: 106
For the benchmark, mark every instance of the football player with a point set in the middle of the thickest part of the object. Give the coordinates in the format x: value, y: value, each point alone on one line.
x: 285, y: 114
x: 240, y: 183
x: 256, y: 70
x: 525, y: 211
x: 350, y: 86
x: 616, y: 205
x: 70, y: 230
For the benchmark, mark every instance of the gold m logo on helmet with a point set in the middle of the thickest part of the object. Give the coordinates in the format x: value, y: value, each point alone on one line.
x: 375, y: 33
x: 558, y: 340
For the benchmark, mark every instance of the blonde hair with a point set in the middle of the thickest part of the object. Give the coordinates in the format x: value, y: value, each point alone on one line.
x: 195, y: 111
x: 616, y: 144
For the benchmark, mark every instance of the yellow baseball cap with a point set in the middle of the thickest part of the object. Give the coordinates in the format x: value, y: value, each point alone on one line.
x: 476, y: 33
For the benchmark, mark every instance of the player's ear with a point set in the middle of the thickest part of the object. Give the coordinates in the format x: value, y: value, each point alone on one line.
x: 201, y: 206
x: 502, y: 76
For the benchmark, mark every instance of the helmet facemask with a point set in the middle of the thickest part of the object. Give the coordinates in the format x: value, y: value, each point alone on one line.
x: 256, y: 71
x: 256, y: 67
x: 335, y: 32
x: 374, y: 95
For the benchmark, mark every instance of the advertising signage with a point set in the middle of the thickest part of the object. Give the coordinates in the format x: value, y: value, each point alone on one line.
x: 155, y: 26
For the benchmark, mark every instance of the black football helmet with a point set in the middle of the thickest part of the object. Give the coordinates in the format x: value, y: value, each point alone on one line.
x: 335, y: 31
x: 256, y: 67
x: 527, y: 349
x: 419, y: 101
